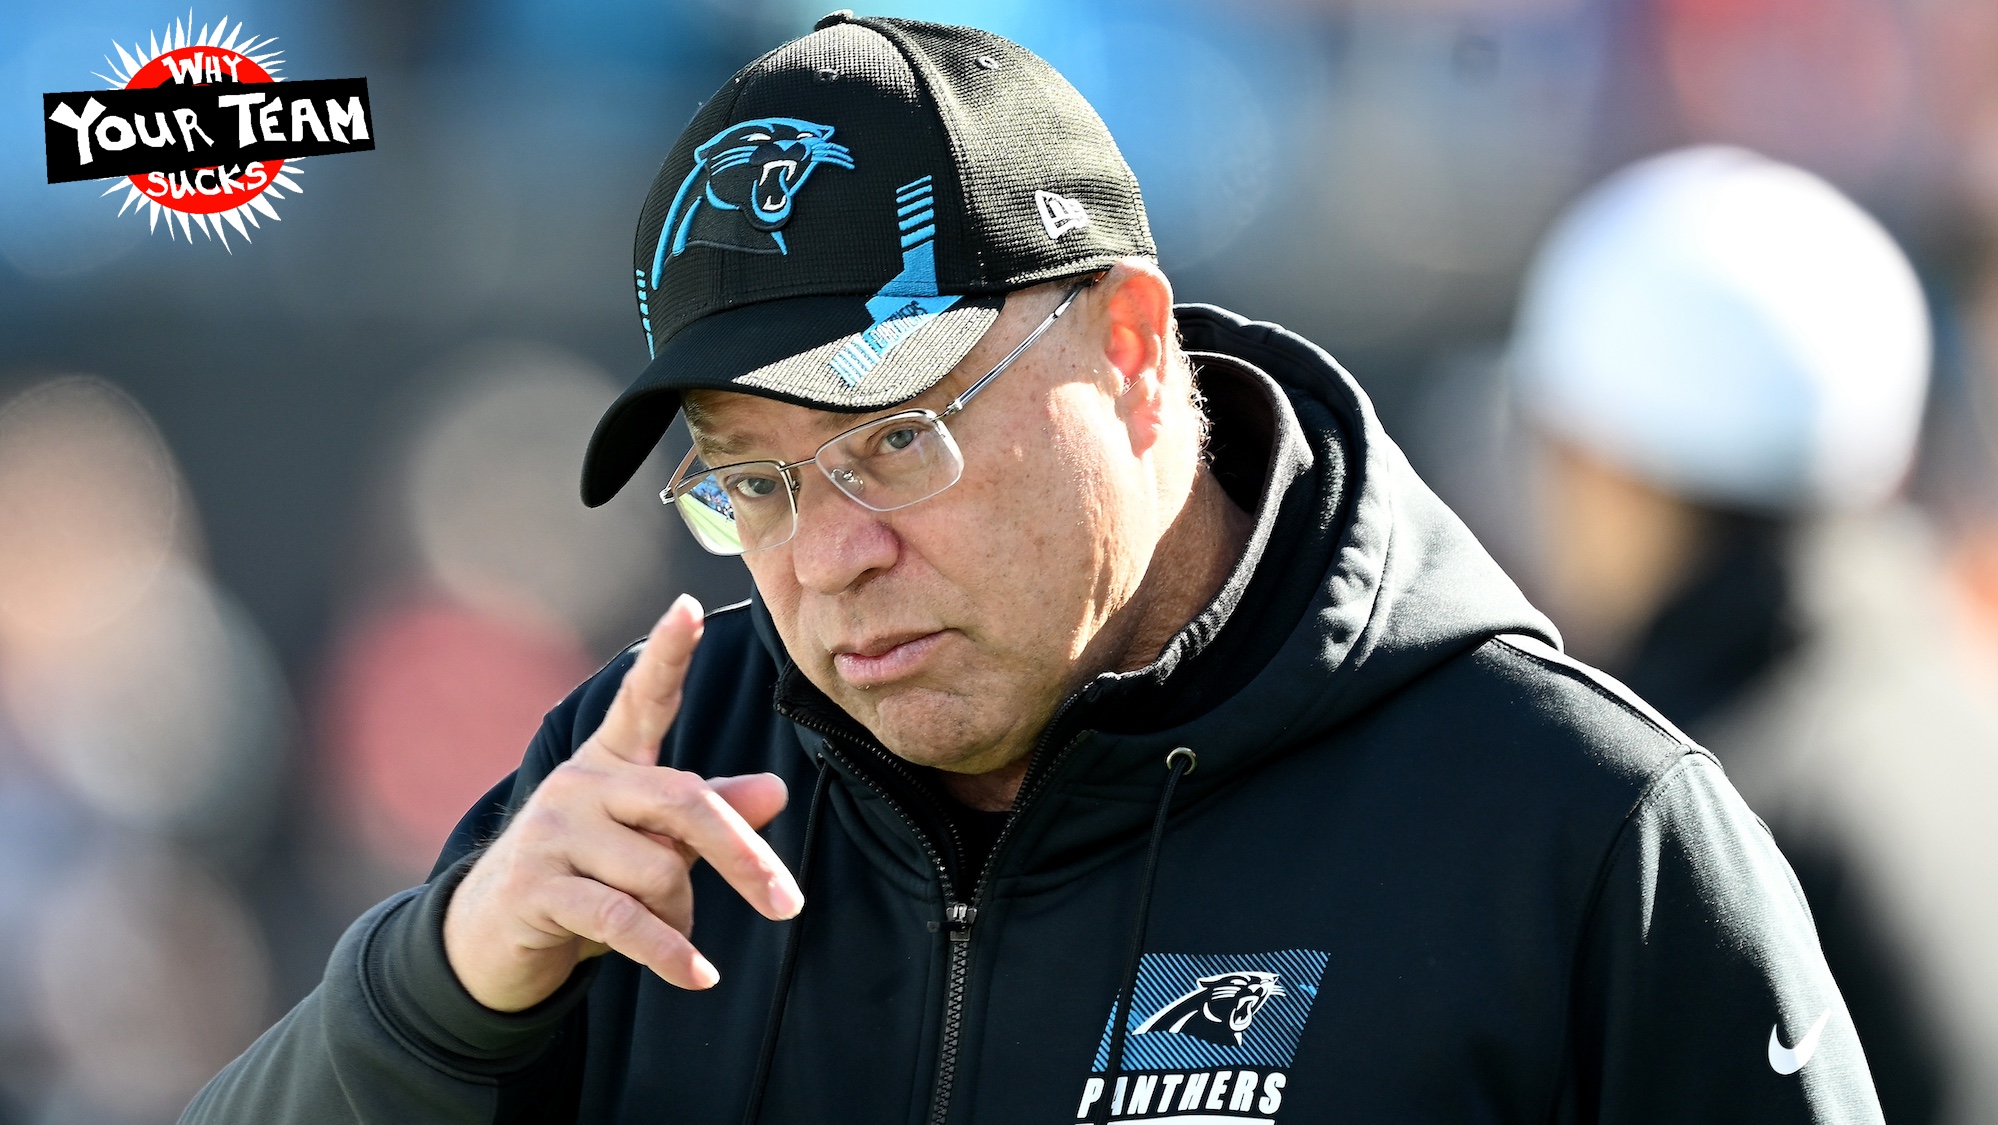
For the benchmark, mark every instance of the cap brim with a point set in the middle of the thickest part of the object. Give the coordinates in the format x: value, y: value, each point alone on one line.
x: 820, y: 352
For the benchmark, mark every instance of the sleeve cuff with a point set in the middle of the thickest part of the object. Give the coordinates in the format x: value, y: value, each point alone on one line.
x: 406, y: 968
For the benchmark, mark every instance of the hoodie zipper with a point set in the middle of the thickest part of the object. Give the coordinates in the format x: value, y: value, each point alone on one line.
x: 960, y: 960
x: 958, y: 915
x: 958, y: 919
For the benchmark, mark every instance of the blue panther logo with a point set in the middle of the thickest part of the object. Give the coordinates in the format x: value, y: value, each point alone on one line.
x: 738, y: 195
x: 1218, y: 1009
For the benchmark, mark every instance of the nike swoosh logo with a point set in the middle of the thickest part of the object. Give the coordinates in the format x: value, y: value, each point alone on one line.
x: 1790, y: 1060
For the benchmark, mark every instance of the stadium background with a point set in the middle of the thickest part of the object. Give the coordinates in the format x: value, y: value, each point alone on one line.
x: 290, y: 556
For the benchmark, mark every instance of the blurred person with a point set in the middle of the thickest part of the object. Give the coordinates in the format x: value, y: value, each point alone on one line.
x: 142, y: 723
x: 1726, y: 361
x: 141, y: 686
x: 1172, y: 752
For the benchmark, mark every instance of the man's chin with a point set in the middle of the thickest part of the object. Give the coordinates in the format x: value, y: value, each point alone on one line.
x: 924, y: 726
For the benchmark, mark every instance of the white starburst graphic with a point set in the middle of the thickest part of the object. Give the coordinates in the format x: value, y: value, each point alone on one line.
x: 220, y: 53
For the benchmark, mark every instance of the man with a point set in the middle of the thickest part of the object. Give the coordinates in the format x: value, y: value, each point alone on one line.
x: 1172, y: 753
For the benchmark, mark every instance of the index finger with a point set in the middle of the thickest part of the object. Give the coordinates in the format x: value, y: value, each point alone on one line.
x: 649, y: 696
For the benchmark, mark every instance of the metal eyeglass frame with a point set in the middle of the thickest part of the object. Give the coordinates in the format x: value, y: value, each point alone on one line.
x: 934, y: 418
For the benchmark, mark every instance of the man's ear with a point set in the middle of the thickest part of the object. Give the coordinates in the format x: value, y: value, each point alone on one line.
x: 1136, y: 300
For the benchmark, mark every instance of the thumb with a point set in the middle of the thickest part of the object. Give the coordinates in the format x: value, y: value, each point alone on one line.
x: 756, y: 797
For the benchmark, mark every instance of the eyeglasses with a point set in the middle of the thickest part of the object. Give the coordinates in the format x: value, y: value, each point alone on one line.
x: 882, y: 465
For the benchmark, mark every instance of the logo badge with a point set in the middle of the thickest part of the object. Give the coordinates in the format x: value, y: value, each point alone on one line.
x: 1059, y: 213
x: 1209, y: 1035
x: 1218, y: 1009
x: 195, y: 124
x: 1790, y: 1060
x: 739, y: 194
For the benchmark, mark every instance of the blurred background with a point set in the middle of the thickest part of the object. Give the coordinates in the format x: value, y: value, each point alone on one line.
x: 291, y: 560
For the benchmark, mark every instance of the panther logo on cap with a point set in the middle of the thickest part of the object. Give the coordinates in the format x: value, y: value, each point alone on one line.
x: 1218, y: 1009
x: 738, y: 195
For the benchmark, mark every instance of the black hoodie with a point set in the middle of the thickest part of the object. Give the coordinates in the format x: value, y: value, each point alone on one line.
x: 1423, y: 868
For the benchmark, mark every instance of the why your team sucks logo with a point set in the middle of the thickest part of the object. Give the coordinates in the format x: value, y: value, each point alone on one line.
x: 740, y: 192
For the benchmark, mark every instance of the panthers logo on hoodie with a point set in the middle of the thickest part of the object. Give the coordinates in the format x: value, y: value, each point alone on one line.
x: 1210, y: 1036
x: 1219, y: 1009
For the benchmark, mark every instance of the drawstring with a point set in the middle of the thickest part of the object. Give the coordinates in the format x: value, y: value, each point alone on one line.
x: 786, y: 968
x: 1181, y: 762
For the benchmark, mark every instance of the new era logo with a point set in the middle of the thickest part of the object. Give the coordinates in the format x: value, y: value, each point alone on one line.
x: 1059, y: 213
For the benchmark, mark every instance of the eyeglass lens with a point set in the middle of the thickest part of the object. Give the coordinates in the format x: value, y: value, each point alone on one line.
x: 887, y: 464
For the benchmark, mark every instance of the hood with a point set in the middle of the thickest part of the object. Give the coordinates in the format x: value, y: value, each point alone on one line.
x: 1405, y: 585
x: 1409, y: 586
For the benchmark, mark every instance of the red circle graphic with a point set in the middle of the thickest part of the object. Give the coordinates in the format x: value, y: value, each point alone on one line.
x: 203, y: 191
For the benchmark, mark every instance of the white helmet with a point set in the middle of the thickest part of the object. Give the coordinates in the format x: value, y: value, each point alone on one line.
x: 1729, y: 328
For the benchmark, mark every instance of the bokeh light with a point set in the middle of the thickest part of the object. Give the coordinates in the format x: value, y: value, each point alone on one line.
x: 171, y: 717
x: 443, y: 674
x: 89, y: 509
x: 150, y: 977
x: 429, y: 705
x: 143, y: 739
x: 491, y: 493
x: 1825, y: 82
x: 140, y: 685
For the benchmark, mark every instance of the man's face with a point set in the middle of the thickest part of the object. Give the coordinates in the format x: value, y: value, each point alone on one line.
x: 952, y: 629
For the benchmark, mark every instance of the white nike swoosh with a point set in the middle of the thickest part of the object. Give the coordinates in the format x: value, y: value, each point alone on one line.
x: 1790, y: 1060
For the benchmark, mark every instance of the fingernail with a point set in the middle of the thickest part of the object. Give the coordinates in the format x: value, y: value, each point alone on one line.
x: 786, y: 900
x: 705, y: 973
x: 693, y: 605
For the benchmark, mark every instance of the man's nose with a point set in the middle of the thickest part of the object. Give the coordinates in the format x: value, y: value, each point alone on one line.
x: 839, y: 543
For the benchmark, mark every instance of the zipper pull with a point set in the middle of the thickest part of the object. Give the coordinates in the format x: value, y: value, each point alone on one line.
x: 958, y: 917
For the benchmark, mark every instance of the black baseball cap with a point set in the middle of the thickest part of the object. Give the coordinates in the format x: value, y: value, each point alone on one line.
x: 841, y: 222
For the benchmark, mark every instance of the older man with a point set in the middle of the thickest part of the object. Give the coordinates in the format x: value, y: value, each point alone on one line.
x: 1172, y: 753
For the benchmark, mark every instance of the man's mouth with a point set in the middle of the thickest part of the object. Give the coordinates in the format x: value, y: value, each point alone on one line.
x: 770, y: 186
x: 883, y: 660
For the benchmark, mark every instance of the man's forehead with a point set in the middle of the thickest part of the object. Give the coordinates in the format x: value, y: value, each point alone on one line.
x: 733, y: 423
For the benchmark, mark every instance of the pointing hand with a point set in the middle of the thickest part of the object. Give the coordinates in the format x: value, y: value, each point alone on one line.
x: 599, y: 857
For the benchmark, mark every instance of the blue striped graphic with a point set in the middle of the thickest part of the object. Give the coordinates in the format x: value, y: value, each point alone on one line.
x: 910, y: 299
x: 1270, y: 1039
